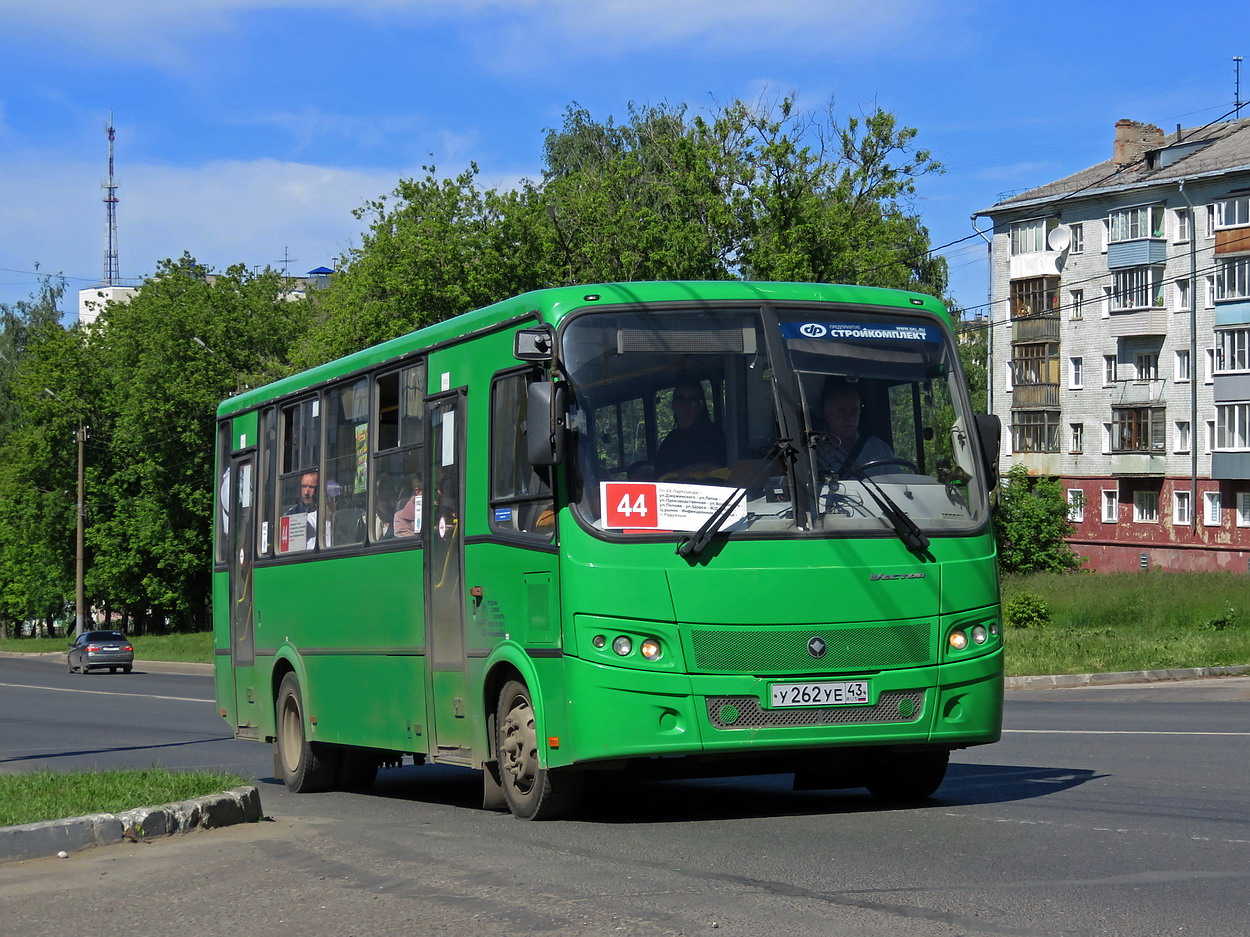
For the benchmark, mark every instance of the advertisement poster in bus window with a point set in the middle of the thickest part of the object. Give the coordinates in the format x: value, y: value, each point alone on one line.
x: 662, y: 506
x: 362, y: 457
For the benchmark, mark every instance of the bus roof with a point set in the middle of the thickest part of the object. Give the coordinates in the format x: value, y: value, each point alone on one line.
x: 552, y: 305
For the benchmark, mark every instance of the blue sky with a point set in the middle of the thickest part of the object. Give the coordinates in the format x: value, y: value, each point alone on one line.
x: 248, y: 130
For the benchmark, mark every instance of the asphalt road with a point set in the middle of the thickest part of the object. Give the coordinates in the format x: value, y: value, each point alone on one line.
x: 1116, y: 811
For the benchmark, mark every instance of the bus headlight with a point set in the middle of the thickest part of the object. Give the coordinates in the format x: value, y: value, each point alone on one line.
x: 622, y: 645
x: 979, y: 634
x: 650, y: 649
x: 958, y: 639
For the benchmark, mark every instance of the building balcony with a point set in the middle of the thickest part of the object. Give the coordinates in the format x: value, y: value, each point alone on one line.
x: 1230, y: 242
x: 1138, y: 463
x: 1136, y: 253
x: 1149, y: 321
x: 1029, y: 396
x: 1035, y: 329
x: 1138, y: 392
x: 1230, y: 466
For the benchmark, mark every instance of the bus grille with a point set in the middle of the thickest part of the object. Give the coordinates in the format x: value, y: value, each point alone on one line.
x: 745, y: 712
x: 768, y: 650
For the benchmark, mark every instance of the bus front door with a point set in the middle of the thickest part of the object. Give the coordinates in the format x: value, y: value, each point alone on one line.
x: 450, y: 719
x: 242, y: 633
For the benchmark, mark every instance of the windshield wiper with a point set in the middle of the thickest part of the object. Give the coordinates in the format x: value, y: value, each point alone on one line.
x: 907, y: 530
x: 694, y: 544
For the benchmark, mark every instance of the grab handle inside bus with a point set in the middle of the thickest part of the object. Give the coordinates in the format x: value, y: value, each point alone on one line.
x: 545, y: 422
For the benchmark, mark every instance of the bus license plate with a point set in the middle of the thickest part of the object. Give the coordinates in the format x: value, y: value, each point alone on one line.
x: 819, y: 694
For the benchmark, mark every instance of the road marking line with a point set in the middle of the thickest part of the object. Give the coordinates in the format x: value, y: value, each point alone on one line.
x: 59, y: 689
x: 1113, y: 732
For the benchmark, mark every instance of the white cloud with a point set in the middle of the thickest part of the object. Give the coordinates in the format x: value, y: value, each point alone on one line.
x: 508, y: 31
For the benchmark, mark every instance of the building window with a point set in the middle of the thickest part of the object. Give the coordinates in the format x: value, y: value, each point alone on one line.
x: 1110, y: 505
x: 1137, y: 429
x: 1232, y: 350
x: 1243, y: 509
x: 1076, y: 505
x: 1036, y: 296
x: 1108, y: 370
x: 1210, y: 440
x: 1076, y: 437
x: 1146, y: 507
x: 1180, y: 436
x: 1028, y: 237
x: 1208, y: 365
x: 1210, y: 232
x: 1078, y: 239
x: 1132, y: 224
x: 1035, y: 430
x: 1076, y: 373
x: 1209, y: 302
x: 1232, y: 427
x: 1181, y: 508
x: 1180, y: 371
x: 1136, y: 288
x: 1106, y: 234
x: 1211, y: 508
x: 1232, y: 279
x: 1182, y: 293
x: 1075, y: 303
x: 1036, y: 363
x: 1146, y: 365
x: 1233, y: 212
x: 1183, y: 228
x: 1106, y: 302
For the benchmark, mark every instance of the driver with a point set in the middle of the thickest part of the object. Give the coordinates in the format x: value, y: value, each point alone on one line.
x: 844, y: 447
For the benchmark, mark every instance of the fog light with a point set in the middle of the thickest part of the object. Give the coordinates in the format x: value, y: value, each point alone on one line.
x: 622, y: 645
x: 599, y: 641
x: 958, y: 640
x: 994, y: 628
x: 979, y: 634
x: 650, y: 649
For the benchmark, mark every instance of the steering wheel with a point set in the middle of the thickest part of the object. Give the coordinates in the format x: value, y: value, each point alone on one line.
x: 906, y: 463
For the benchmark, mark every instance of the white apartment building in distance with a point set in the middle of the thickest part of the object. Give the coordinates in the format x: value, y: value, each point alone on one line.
x: 1120, y: 345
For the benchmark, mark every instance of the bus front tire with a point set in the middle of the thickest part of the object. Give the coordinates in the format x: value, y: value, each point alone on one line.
x: 306, y: 766
x: 531, y: 791
x: 904, y: 777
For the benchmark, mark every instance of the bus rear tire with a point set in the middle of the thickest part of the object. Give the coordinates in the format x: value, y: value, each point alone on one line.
x: 531, y: 791
x: 306, y: 766
x: 905, y: 777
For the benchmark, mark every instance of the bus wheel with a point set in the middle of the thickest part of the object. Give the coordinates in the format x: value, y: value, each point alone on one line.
x: 532, y: 791
x: 306, y: 766
x: 906, y: 776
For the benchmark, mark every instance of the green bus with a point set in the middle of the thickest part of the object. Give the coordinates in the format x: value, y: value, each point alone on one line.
x: 634, y: 530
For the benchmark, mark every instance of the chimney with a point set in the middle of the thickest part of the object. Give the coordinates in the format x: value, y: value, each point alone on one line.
x: 1132, y: 140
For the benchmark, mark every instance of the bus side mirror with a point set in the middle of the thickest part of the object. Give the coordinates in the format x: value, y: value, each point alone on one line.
x: 545, y: 422
x: 533, y: 344
x: 990, y: 432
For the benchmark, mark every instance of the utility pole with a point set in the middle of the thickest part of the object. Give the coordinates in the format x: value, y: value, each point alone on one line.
x: 80, y: 597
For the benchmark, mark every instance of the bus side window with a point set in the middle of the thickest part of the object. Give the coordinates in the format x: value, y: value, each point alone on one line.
x: 299, y: 481
x: 398, y: 484
x: 347, y: 465
x: 520, y: 498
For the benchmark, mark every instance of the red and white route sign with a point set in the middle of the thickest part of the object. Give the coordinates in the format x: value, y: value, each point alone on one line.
x: 644, y: 506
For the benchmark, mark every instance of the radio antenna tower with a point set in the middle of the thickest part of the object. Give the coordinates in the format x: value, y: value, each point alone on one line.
x: 112, y: 276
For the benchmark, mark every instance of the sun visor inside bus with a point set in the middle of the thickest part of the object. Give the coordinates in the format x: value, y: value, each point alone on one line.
x: 690, y: 341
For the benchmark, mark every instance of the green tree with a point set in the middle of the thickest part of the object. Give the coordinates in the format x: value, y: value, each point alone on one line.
x: 760, y: 192
x: 1031, y: 525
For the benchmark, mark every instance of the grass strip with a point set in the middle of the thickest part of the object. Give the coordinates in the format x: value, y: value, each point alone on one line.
x: 189, y: 648
x: 51, y: 795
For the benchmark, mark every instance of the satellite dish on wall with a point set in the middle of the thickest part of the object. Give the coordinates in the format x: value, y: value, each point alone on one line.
x: 1059, y: 239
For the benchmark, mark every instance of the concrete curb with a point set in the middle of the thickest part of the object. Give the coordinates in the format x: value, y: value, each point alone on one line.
x: 38, y: 840
x: 1059, y: 681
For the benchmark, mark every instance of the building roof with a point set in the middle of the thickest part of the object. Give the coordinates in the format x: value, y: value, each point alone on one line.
x: 1212, y: 150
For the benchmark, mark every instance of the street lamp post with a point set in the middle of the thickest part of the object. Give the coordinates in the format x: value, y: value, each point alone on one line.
x: 80, y: 592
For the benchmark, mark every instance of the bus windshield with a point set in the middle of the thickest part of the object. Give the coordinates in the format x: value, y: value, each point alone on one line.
x: 828, y: 420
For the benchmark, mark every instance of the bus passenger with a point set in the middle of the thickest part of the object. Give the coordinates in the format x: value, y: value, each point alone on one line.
x: 844, y: 447
x: 407, y: 520
x: 695, y: 447
x: 307, y: 505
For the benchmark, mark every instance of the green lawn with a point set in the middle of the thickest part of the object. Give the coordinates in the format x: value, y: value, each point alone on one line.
x: 48, y: 795
x: 1113, y: 622
x: 196, y: 648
